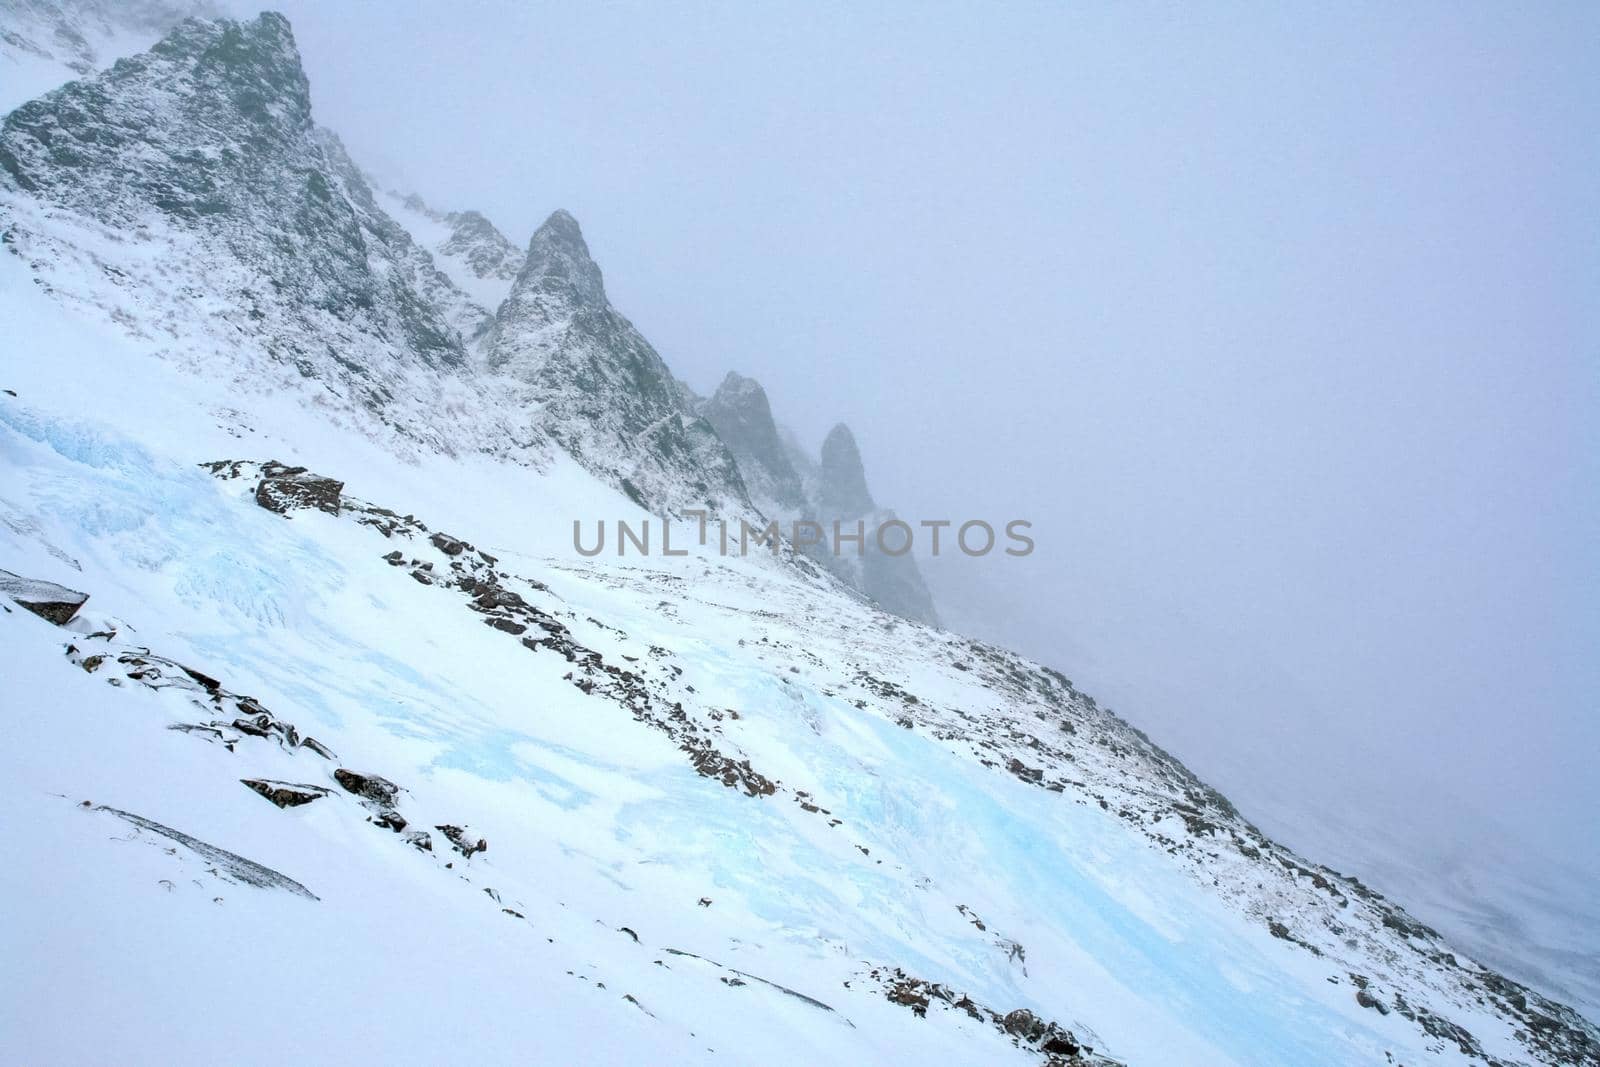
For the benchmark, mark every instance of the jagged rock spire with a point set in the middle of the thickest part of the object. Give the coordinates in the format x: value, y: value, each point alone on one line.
x: 742, y: 417
x: 843, y: 489
x: 598, y: 387
x: 559, y: 268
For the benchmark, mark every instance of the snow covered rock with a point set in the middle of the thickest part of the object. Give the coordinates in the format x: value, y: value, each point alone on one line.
x: 284, y: 489
x: 47, y: 600
x: 285, y: 794
x: 479, y: 259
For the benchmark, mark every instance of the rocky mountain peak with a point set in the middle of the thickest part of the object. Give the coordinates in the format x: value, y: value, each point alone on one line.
x: 843, y: 479
x: 597, y: 386
x: 208, y: 101
x: 559, y: 266
x: 206, y: 145
x: 253, y: 66
x: 742, y: 417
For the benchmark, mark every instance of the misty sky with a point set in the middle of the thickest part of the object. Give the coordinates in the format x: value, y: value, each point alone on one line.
x: 1282, y: 324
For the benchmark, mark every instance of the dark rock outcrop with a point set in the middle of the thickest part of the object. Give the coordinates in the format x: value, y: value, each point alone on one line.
x: 49, y: 601
x: 285, y: 794
x: 462, y: 840
x: 379, y: 795
x: 284, y: 489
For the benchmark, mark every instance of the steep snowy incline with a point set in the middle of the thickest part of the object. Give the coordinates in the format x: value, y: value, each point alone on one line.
x: 346, y: 718
x: 44, y: 43
x: 187, y: 195
x: 480, y: 259
x: 902, y: 839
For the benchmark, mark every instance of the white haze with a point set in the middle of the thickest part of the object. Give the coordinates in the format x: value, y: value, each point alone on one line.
x: 1279, y: 323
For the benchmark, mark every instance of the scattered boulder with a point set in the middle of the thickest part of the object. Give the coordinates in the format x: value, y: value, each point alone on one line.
x: 318, y: 747
x: 450, y: 546
x: 1024, y: 1024
x: 51, y: 602
x: 368, y: 786
x: 1025, y: 772
x: 1367, y: 1000
x: 378, y: 795
x: 284, y: 489
x: 285, y: 794
x: 462, y: 840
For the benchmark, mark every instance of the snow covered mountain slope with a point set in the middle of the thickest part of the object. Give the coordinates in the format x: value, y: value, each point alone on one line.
x: 46, y: 42
x: 201, y: 156
x: 480, y: 259
x: 187, y: 193
x: 883, y: 818
x: 345, y: 721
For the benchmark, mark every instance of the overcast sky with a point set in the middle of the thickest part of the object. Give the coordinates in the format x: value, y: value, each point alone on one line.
x: 1281, y: 323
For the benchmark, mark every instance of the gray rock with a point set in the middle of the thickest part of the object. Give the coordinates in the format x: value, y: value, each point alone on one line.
x: 742, y: 417
x: 842, y: 480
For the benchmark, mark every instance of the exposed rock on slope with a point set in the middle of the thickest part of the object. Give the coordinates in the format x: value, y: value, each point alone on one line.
x: 841, y: 478
x: 838, y: 487
x: 47, y: 600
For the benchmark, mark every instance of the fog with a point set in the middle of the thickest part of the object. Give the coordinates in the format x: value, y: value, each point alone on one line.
x: 1280, y: 325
